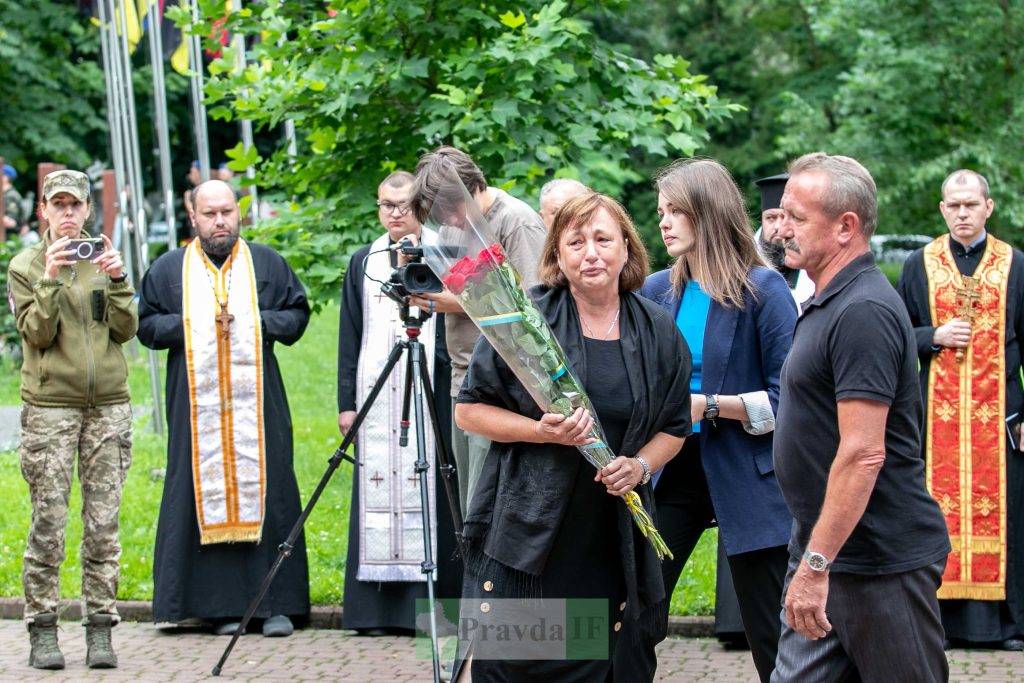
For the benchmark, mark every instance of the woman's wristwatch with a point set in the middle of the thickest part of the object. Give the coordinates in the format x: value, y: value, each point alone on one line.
x: 711, y: 410
x: 647, y: 470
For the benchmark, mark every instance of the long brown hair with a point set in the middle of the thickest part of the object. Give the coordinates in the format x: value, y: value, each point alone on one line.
x: 724, y: 249
x: 580, y: 210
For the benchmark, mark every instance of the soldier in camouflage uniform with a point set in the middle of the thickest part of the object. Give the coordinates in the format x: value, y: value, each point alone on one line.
x: 73, y: 315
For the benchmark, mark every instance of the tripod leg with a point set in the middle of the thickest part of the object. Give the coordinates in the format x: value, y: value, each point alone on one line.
x: 285, y: 549
x: 403, y: 437
x: 444, y: 456
x: 422, y: 468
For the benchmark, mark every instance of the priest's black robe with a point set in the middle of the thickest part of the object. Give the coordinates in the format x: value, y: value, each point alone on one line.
x: 392, y: 604
x: 982, y: 620
x: 219, y: 580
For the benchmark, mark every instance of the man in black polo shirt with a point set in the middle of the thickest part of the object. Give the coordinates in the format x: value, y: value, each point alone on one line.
x: 869, y: 544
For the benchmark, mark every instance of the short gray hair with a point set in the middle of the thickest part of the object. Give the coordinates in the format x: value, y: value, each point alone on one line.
x: 850, y: 187
x: 962, y: 176
x: 562, y: 184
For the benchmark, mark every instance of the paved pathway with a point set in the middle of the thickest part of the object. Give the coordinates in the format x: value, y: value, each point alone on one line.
x: 147, y: 654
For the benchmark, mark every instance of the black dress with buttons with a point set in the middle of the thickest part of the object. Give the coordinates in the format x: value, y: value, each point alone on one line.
x: 588, y: 536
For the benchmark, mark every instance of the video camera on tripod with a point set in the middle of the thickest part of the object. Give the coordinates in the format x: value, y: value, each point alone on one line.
x: 415, y: 277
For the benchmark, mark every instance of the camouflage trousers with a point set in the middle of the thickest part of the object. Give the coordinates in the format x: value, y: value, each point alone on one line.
x: 50, y: 439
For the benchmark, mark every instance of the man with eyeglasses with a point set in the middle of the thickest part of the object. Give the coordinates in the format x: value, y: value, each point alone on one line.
x: 383, y: 578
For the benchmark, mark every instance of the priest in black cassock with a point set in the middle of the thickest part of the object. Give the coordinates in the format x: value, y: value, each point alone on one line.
x: 383, y: 578
x: 772, y: 246
x: 964, y: 293
x: 230, y: 495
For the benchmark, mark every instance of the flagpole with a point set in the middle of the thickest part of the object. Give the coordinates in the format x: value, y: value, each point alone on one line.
x: 137, y: 231
x: 134, y: 155
x: 195, y: 60
x: 117, y: 119
x: 246, y: 125
x: 156, y: 54
x: 113, y: 112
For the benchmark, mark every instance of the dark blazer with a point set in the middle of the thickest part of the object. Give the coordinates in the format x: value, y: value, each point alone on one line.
x: 743, y: 352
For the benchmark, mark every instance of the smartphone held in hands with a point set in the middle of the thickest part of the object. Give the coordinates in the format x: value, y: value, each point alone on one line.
x: 85, y: 249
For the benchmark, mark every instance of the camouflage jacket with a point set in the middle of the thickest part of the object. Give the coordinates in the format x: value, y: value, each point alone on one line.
x: 72, y: 329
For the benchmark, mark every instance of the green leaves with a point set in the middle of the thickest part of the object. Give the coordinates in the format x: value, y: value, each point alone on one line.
x: 322, y: 140
x: 684, y: 143
x: 513, y: 20
x: 528, y: 93
x: 51, y: 87
x: 242, y: 158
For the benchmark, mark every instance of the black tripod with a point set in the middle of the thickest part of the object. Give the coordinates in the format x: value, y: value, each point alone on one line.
x: 417, y: 384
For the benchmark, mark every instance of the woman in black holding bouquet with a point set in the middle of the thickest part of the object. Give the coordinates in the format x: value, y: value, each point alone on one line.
x: 543, y: 522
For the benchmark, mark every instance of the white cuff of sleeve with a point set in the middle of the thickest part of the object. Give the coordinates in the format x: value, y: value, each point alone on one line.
x: 760, y: 418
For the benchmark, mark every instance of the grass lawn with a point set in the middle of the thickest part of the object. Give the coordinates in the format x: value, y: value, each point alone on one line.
x: 309, y: 370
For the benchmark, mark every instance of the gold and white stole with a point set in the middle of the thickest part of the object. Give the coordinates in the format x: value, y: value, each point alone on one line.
x: 390, y: 519
x: 225, y: 383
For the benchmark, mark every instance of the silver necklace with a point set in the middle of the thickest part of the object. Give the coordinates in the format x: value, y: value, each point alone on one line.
x: 610, y: 327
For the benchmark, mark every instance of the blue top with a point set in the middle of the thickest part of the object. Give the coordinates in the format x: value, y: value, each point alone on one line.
x: 691, y: 320
x: 743, y: 351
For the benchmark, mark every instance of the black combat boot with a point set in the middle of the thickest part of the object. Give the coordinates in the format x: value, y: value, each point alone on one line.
x: 42, y: 634
x: 99, y: 649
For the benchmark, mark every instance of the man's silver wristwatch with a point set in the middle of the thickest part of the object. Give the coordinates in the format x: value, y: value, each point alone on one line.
x: 816, y: 561
x: 647, y: 470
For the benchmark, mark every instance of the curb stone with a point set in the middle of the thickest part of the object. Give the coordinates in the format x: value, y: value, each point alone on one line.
x: 320, y: 616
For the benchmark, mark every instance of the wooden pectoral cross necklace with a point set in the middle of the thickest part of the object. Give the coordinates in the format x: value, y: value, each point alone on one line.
x: 224, y: 319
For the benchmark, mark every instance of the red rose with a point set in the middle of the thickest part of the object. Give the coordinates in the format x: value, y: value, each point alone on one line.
x: 490, y: 258
x: 455, y: 282
x: 497, y: 253
x: 464, y: 267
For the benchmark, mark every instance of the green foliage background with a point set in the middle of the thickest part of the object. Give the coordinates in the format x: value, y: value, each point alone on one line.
x: 528, y: 89
x: 912, y: 89
x: 605, y: 91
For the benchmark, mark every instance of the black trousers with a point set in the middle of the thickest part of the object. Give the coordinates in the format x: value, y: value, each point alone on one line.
x: 684, y: 512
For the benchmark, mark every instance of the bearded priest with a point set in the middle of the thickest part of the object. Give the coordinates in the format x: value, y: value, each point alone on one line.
x: 230, y: 496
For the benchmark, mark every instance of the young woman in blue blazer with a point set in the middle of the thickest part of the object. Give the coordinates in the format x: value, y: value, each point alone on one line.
x: 737, y: 316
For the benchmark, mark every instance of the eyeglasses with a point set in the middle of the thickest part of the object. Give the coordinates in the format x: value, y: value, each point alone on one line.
x: 391, y: 207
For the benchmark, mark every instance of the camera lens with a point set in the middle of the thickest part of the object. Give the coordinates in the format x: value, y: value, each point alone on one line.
x: 84, y: 250
x: 419, y: 279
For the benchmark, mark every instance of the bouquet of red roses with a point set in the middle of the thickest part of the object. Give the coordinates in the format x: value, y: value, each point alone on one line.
x: 491, y: 293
